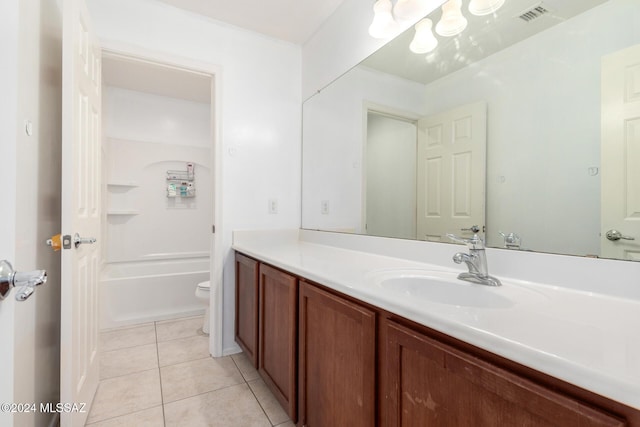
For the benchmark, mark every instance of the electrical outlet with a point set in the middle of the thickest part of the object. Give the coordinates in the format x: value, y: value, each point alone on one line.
x: 273, y: 206
x: 324, y: 207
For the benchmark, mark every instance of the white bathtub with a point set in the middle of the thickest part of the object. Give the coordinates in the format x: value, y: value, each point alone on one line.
x: 138, y: 292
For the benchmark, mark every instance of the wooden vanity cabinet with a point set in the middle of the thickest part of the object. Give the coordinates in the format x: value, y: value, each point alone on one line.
x: 337, y: 360
x: 331, y: 360
x: 428, y: 383
x: 246, y: 326
x: 277, y: 335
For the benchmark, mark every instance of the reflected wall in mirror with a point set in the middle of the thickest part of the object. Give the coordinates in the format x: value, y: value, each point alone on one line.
x: 561, y: 94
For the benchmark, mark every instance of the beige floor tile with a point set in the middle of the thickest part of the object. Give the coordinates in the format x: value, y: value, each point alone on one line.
x: 232, y: 406
x: 115, y: 339
x: 199, y: 376
x: 179, y: 328
x: 183, y: 350
x: 153, y: 417
x: 287, y: 424
x: 128, y: 360
x: 271, y: 406
x: 126, y: 394
x: 246, y: 368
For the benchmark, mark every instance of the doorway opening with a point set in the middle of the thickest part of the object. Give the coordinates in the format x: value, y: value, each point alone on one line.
x: 159, y: 194
x: 390, y: 175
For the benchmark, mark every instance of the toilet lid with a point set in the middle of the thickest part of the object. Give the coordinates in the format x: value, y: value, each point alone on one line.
x: 204, y: 285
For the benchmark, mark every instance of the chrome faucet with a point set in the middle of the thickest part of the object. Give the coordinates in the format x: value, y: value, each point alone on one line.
x: 476, y: 261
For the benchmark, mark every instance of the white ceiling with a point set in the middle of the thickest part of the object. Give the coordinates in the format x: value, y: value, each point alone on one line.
x: 290, y: 20
x: 163, y: 80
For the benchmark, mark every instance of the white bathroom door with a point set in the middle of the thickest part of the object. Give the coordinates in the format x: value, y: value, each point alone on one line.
x: 451, y: 172
x: 81, y: 103
x: 620, y: 152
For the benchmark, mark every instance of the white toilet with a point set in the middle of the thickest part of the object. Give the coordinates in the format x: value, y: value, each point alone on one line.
x: 202, y: 293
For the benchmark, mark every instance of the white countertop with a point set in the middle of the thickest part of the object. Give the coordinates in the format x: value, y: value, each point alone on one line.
x: 588, y: 339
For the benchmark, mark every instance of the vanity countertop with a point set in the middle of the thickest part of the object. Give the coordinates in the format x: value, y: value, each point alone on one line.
x: 587, y: 339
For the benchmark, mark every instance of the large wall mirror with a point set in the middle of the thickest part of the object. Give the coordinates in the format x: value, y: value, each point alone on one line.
x: 526, y: 124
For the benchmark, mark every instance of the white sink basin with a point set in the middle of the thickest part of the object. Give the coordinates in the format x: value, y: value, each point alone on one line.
x: 443, y: 287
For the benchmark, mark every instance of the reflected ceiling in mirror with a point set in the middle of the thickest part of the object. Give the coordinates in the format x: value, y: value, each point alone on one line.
x: 553, y: 87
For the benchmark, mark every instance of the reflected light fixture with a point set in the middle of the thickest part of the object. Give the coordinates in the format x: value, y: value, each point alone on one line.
x: 383, y: 24
x: 423, y: 41
x: 407, y: 10
x: 484, y: 7
x: 452, y: 21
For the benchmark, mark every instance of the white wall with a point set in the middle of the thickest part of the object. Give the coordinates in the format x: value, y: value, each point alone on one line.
x: 37, y: 342
x: 138, y: 116
x: 146, y: 135
x: 260, y: 112
x: 8, y: 119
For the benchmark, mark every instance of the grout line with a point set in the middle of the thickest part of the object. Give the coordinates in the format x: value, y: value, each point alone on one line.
x: 206, y: 392
x: 155, y: 330
x: 121, y: 415
x: 128, y: 373
x: 186, y: 361
x: 260, y: 404
x: 185, y: 337
x: 251, y: 390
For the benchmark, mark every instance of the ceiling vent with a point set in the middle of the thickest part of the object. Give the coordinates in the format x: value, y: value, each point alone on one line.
x: 534, y: 12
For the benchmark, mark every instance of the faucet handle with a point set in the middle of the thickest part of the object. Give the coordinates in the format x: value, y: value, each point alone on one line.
x: 473, y: 243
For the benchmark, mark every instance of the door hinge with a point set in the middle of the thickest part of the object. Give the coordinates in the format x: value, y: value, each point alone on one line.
x: 213, y: 229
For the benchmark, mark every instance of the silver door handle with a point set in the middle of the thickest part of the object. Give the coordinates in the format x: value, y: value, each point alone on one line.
x: 77, y: 240
x: 25, y: 281
x: 614, y: 235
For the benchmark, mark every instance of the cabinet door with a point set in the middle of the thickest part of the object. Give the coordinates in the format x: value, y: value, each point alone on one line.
x: 337, y: 361
x: 247, y: 306
x: 278, y: 335
x: 431, y: 384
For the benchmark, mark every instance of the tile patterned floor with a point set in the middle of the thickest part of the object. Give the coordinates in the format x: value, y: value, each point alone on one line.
x: 160, y: 374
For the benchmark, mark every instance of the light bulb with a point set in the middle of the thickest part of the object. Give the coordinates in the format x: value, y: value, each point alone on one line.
x: 484, y: 7
x: 383, y: 23
x: 407, y: 10
x: 452, y: 21
x: 423, y: 41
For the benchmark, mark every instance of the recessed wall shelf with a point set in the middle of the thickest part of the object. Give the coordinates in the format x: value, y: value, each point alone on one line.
x: 123, y: 212
x: 122, y: 184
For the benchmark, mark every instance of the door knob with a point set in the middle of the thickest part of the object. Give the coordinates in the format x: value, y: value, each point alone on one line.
x: 77, y: 240
x: 614, y: 235
x: 26, y: 281
x: 473, y: 229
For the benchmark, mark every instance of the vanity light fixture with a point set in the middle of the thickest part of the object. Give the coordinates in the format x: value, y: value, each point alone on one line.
x: 407, y: 10
x: 383, y: 24
x: 452, y: 21
x: 484, y: 7
x: 386, y: 15
x: 423, y: 41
